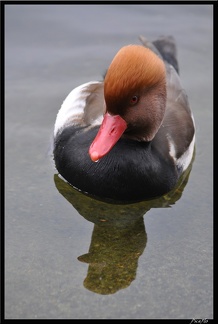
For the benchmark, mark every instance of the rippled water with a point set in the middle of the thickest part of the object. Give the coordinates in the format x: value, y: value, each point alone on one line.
x: 67, y: 255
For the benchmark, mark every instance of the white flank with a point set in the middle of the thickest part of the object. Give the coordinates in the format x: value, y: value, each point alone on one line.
x: 172, y: 150
x: 184, y: 160
x: 73, y: 106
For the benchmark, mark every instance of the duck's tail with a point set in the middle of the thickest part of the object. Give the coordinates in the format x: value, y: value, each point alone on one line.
x: 165, y: 47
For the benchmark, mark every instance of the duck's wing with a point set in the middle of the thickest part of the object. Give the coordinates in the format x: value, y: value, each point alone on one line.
x: 165, y: 47
x: 177, y: 98
x: 177, y: 132
x: 84, y: 106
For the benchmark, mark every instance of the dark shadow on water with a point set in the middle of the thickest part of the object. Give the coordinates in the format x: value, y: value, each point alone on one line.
x: 119, y: 236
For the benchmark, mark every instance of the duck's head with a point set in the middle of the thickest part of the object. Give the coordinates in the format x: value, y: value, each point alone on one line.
x: 135, y: 98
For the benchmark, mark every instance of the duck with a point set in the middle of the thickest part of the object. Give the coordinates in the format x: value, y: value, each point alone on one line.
x: 130, y: 136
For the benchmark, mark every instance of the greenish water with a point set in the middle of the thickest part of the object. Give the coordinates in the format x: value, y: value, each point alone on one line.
x: 118, y: 237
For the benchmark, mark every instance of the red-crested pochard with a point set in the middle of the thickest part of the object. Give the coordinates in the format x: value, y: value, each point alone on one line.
x: 131, y: 136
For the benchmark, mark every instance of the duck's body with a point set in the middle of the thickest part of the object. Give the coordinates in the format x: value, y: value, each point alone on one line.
x: 146, y: 140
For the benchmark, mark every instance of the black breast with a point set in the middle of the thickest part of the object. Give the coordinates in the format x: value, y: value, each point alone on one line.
x: 131, y: 171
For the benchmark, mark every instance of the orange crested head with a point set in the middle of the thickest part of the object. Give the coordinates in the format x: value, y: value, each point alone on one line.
x: 133, y: 68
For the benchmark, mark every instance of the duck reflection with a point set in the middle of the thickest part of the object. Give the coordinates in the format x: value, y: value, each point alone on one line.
x: 119, y: 236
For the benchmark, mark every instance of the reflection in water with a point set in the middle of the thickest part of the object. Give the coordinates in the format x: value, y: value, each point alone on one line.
x: 119, y: 236
x: 113, y: 257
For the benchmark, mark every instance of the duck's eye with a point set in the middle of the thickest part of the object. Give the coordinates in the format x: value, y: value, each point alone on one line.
x: 134, y: 100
